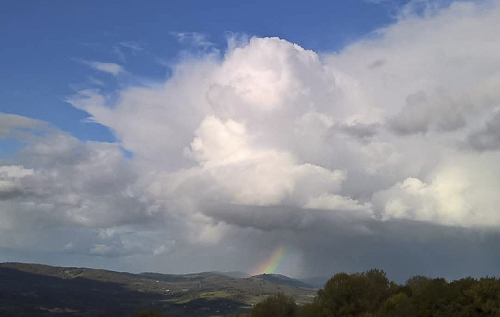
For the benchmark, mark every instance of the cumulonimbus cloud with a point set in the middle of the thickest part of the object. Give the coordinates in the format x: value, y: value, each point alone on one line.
x: 272, y: 123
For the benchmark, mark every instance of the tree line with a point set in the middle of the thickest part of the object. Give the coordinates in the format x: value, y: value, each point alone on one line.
x: 372, y: 294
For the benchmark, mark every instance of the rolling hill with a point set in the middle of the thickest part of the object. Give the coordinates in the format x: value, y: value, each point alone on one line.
x: 42, y: 290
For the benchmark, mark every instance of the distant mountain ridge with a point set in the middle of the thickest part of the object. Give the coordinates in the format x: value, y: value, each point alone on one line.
x: 233, y: 274
x: 282, y: 280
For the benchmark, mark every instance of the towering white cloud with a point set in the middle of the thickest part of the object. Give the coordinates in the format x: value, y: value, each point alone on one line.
x: 272, y: 123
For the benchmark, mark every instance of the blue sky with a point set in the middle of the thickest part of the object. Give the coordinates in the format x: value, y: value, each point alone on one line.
x: 44, y: 40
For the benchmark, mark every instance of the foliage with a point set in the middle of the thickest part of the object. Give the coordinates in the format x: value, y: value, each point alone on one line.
x: 277, y: 305
x: 371, y: 294
x: 355, y: 294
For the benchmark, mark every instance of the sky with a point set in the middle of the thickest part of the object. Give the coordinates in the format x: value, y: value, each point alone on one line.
x: 300, y: 138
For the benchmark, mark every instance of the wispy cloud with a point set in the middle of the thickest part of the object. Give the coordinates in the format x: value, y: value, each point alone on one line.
x: 123, y: 49
x: 133, y: 46
x: 105, y: 67
x: 111, y: 68
x: 195, y: 39
x: 95, y: 82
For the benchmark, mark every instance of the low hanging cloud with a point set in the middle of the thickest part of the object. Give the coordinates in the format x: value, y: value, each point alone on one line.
x: 271, y: 139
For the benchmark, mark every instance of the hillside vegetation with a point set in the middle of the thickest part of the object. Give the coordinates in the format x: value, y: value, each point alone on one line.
x: 39, y: 290
x: 371, y: 294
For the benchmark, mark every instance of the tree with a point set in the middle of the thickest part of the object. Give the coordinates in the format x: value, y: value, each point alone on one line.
x: 277, y: 305
x: 371, y: 294
x: 310, y: 310
x: 485, y: 295
x: 354, y: 295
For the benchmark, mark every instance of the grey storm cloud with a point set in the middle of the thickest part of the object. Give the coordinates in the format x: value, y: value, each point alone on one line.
x: 360, y: 130
x: 272, y: 145
x: 422, y: 113
x: 486, y: 138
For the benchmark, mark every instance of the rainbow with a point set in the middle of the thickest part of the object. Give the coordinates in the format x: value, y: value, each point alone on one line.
x: 272, y: 264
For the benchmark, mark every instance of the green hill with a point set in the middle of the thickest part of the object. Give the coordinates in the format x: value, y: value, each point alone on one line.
x: 40, y: 290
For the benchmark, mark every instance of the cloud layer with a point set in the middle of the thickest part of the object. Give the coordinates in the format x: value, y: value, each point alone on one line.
x: 394, y: 135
